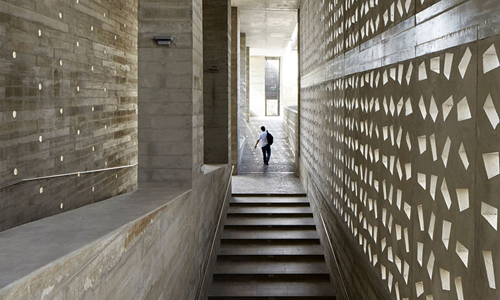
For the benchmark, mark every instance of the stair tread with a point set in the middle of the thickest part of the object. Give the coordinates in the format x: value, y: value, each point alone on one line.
x: 270, y: 267
x: 230, y: 233
x: 294, y: 249
x: 257, y: 288
x: 250, y: 220
x: 270, y: 210
x: 269, y: 200
x: 270, y: 248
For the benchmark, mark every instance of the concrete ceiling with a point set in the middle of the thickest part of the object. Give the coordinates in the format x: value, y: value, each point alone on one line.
x: 268, y: 24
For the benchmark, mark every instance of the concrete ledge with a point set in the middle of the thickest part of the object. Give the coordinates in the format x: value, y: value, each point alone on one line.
x: 27, y: 248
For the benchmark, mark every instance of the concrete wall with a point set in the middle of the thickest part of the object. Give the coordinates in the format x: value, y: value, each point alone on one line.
x: 68, y: 100
x: 399, y: 149
x: 170, y: 93
x: 291, y: 128
x: 235, y: 85
x: 289, y: 80
x: 242, y: 106
x: 217, y: 85
x: 257, y: 86
x: 162, y: 254
x: 247, y: 77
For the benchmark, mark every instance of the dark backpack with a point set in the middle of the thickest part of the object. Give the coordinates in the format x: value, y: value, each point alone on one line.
x: 270, y: 138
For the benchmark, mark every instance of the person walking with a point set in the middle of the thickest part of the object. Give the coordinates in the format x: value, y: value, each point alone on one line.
x: 266, y: 147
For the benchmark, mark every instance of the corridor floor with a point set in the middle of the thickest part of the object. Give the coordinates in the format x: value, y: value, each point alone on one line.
x: 282, y: 159
x: 279, y: 177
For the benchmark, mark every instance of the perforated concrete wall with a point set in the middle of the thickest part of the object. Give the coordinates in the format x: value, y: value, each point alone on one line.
x: 68, y: 100
x: 402, y: 160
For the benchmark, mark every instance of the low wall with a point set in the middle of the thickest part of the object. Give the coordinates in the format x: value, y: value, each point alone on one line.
x: 291, y: 128
x: 100, y: 254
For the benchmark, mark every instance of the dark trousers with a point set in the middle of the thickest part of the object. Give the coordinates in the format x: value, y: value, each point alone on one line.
x: 266, y: 149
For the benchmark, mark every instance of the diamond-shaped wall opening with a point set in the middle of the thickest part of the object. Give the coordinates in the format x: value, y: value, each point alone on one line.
x: 490, y: 214
x: 463, y: 199
x: 430, y: 265
x: 490, y: 269
x: 492, y: 164
x: 463, y: 253
x: 446, y: 233
x: 490, y: 60
x: 445, y: 279
x: 446, y: 151
x: 446, y: 194
x: 448, y: 62
x: 463, y: 110
x: 432, y: 224
x: 464, y: 63
x: 459, y: 288
x: 491, y: 112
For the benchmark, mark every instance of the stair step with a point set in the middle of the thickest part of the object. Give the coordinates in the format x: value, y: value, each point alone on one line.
x: 271, y: 249
x: 270, y: 241
x: 269, y: 210
x: 264, y: 288
x: 271, y: 227
x: 278, y: 204
x: 270, y: 265
x: 270, y: 195
x: 271, y: 277
x: 273, y: 200
x: 267, y: 220
x: 274, y: 298
x: 238, y: 233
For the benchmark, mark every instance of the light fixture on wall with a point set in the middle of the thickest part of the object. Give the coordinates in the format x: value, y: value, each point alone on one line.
x: 164, y: 39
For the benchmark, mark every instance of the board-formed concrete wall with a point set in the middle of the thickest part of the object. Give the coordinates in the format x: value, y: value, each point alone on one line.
x: 291, y: 128
x: 217, y: 80
x: 399, y: 145
x: 170, y: 93
x: 161, y: 255
x: 68, y: 103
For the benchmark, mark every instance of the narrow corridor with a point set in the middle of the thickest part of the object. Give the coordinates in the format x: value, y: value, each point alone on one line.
x: 282, y: 159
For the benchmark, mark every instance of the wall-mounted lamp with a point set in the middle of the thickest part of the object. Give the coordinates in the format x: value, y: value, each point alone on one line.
x: 164, y: 39
x: 214, y: 69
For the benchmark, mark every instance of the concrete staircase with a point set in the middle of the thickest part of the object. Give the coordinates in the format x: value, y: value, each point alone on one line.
x: 270, y: 250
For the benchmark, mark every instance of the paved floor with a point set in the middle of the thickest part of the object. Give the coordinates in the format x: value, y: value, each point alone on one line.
x: 282, y: 159
x: 280, y: 176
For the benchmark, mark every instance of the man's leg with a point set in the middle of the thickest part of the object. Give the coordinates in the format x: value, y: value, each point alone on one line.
x: 268, y: 152
x: 264, y: 154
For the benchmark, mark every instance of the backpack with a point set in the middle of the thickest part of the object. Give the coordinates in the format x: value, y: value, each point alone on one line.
x: 270, y: 138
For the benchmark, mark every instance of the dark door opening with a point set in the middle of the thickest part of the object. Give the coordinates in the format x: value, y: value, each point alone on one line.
x: 272, y: 86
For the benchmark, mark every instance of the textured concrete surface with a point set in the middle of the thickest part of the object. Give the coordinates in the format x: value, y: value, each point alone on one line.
x: 68, y: 94
x: 291, y: 129
x: 397, y: 145
x: 216, y: 84
x: 242, y: 101
x: 170, y: 93
x: 235, y: 85
x: 150, y: 244
x: 28, y: 248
